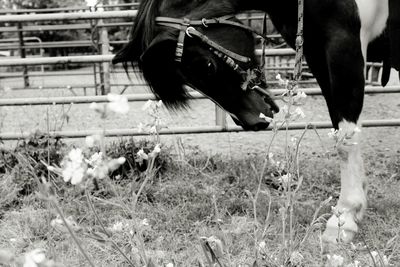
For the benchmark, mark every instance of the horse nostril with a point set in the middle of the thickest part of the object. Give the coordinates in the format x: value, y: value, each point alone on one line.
x: 260, y: 126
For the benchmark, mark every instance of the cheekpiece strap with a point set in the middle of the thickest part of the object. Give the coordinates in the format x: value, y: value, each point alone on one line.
x: 181, y: 39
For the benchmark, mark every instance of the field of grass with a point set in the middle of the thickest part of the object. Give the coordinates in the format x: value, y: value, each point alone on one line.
x: 194, y: 197
x: 206, y: 202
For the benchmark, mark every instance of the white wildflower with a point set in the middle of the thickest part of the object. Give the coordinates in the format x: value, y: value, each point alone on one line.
x: 52, y: 168
x: 99, y: 172
x: 100, y: 108
x: 141, y: 128
x: 156, y: 150
x: 333, y: 133
x: 92, y: 140
x: 114, y: 164
x: 34, y: 258
x: 89, y: 140
x: 145, y: 222
x: 96, y: 159
x: 284, y: 179
x: 74, y: 167
x: 281, y: 81
x: 338, y: 211
x: 357, y: 129
x: 356, y: 263
x: 169, y: 265
x: 262, y: 245
x: 267, y: 119
x: 293, y: 140
x: 153, y: 129
x: 342, y: 234
x: 75, y: 155
x: 59, y: 224
x: 299, y: 98
x: 334, y: 260
x: 118, y: 103
x: 142, y: 155
x: 296, y: 258
x: 147, y: 105
x: 285, y: 109
x: 298, y: 112
x: 117, y: 227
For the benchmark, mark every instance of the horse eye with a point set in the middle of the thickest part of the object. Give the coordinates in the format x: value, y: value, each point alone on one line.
x: 211, y: 69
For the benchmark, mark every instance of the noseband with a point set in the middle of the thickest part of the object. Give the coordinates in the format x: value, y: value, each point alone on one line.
x: 253, y: 79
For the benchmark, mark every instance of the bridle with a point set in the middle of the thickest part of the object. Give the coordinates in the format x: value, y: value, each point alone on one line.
x: 253, y: 79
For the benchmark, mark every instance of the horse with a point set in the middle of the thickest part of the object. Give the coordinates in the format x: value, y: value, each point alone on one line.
x: 199, y: 43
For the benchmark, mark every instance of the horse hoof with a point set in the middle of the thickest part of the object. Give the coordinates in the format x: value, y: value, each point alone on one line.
x: 334, y: 235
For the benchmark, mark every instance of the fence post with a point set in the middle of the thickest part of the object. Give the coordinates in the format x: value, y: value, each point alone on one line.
x: 105, y: 50
x: 220, y: 118
x: 22, y: 53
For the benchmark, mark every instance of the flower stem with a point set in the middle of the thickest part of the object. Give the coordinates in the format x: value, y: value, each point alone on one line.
x: 71, y: 232
x: 105, y: 230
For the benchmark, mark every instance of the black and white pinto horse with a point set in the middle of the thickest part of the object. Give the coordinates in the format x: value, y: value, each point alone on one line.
x: 172, y: 51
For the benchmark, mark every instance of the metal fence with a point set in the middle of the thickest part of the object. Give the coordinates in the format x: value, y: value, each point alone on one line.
x: 221, y: 124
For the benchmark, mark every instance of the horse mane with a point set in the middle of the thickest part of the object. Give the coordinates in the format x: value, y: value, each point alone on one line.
x: 158, y: 67
x: 141, y: 34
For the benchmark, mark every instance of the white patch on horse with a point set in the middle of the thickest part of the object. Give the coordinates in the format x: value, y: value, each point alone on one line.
x: 373, y: 15
x: 352, y: 200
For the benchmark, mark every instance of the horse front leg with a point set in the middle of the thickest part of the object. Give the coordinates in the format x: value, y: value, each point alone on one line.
x: 352, y: 203
x: 339, y: 69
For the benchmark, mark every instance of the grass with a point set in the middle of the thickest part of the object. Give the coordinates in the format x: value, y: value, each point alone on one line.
x: 185, y: 204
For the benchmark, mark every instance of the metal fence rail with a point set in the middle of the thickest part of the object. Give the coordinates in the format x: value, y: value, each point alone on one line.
x: 69, y: 16
x: 34, y: 101
x: 61, y: 9
x: 190, y: 130
x: 105, y: 58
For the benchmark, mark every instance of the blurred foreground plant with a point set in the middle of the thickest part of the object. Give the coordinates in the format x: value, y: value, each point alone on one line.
x: 83, y: 167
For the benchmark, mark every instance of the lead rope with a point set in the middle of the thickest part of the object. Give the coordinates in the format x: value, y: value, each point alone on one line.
x: 264, y: 42
x: 298, y: 66
x: 263, y: 77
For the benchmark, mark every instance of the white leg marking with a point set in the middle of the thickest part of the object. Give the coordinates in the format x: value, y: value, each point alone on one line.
x: 373, y: 16
x: 352, y: 201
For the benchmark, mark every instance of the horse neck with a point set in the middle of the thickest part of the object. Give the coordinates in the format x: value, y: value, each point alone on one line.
x: 283, y: 14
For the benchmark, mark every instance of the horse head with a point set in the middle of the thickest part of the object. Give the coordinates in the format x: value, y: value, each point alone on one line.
x: 213, y: 59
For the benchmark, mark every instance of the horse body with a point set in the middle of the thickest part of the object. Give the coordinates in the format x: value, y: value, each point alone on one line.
x: 336, y: 36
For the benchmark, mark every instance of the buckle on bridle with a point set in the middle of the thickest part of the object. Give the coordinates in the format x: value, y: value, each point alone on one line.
x: 204, y: 22
x: 187, y: 31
